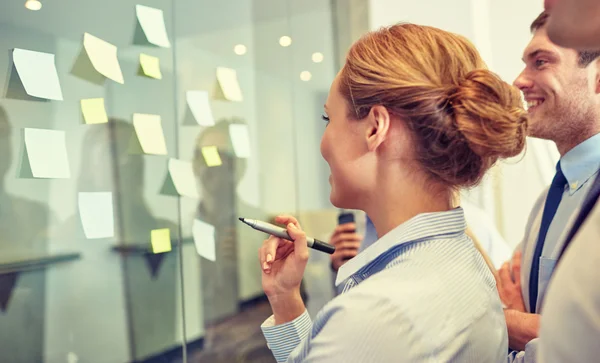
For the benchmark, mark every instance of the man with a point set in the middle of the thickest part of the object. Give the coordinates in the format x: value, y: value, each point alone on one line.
x: 570, y: 326
x: 575, y: 23
x: 562, y: 89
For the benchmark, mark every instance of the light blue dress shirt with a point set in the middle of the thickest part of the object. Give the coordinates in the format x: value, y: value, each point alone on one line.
x: 483, y: 228
x: 580, y: 166
x: 421, y: 293
x: 570, y: 324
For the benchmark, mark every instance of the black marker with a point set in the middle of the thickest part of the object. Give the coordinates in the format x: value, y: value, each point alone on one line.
x: 282, y: 233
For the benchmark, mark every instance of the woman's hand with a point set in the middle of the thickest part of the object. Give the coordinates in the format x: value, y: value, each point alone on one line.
x: 282, y: 263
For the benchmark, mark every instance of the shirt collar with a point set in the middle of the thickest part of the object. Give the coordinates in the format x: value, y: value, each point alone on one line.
x: 422, y: 226
x: 581, y: 162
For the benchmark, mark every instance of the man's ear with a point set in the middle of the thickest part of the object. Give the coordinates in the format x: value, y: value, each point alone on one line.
x: 378, y: 126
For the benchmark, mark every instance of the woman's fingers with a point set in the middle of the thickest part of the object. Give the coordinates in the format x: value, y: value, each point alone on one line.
x: 300, y: 245
x: 267, y: 253
x: 287, y: 219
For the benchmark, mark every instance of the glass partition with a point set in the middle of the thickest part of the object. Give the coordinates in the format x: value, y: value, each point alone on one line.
x: 132, y: 137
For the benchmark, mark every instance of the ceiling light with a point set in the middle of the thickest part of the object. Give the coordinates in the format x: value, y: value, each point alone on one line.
x: 240, y: 49
x: 33, y: 5
x: 305, y: 76
x: 285, y: 41
x: 317, y: 57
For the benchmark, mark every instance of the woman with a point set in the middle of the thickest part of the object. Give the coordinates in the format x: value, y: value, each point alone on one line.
x: 413, y: 117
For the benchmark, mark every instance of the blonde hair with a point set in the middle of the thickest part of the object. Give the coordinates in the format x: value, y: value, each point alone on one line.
x: 463, y: 117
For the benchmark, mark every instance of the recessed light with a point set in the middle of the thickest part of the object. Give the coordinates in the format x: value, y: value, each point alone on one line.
x: 240, y: 49
x: 305, y: 76
x: 285, y: 41
x: 34, y: 5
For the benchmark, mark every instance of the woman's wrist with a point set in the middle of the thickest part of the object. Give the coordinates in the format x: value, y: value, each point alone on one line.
x: 286, y: 306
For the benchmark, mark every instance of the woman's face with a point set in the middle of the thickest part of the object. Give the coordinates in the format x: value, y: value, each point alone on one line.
x: 344, y: 147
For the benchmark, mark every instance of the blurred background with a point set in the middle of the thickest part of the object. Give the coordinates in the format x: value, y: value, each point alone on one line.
x: 134, y: 252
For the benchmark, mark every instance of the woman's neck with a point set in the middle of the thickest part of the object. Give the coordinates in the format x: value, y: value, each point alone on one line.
x: 392, y: 205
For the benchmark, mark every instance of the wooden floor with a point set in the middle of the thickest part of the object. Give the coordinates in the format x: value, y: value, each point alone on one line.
x: 237, y: 339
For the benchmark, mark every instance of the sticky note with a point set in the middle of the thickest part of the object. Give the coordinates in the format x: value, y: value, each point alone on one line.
x: 93, y: 111
x: 153, y: 25
x: 200, y: 107
x: 182, y: 175
x: 161, y: 240
x: 211, y: 156
x: 103, y: 56
x: 150, y: 66
x: 204, y: 239
x: 230, y: 86
x: 148, y: 129
x: 37, y: 72
x: 240, y: 139
x: 96, y: 213
x: 47, y: 153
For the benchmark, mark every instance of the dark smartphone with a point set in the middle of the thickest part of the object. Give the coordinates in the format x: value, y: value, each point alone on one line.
x: 345, y: 217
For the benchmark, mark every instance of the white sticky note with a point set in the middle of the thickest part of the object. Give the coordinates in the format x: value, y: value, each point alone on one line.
x: 240, y: 139
x: 47, y: 153
x: 200, y: 106
x: 93, y: 111
x: 96, y: 213
x: 148, y: 129
x: 150, y: 66
x: 153, y: 24
x: 230, y: 86
x: 182, y: 175
x: 204, y: 239
x: 103, y: 56
x: 38, y: 75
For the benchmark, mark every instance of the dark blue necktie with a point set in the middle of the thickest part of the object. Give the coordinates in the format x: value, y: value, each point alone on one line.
x: 552, y: 201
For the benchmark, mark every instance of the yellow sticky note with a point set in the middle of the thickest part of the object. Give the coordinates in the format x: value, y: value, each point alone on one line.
x: 103, y: 56
x: 148, y: 129
x: 211, y: 156
x: 150, y: 66
x: 93, y: 111
x: 161, y: 240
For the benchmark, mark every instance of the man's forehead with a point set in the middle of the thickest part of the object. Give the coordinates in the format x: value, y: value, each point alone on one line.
x: 541, y: 43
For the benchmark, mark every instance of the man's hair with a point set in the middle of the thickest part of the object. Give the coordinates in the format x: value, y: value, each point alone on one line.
x: 585, y: 57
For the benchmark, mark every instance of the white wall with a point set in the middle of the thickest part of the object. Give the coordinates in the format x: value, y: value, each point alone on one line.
x: 500, y: 30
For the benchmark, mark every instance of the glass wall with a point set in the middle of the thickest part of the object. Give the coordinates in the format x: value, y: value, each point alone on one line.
x: 132, y: 137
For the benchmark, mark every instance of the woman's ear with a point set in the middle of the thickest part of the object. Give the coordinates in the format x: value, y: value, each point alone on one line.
x: 378, y: 121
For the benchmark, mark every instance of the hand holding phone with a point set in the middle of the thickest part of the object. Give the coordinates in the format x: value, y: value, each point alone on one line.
x: 345, y: 239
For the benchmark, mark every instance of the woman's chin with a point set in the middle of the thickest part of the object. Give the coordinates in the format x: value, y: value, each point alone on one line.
x: 339, y: 202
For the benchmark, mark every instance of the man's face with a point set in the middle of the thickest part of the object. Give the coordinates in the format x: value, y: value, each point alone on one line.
x: 574, y: 23
x: 558, y: 91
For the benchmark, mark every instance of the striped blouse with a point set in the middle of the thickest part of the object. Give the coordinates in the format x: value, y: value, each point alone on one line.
x: 422, y: 293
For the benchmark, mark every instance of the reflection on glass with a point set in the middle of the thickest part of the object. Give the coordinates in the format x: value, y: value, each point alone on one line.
x: 232, y: 275
x: 133, y: 304
x: 218, y: 208
x: 23, y: 223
